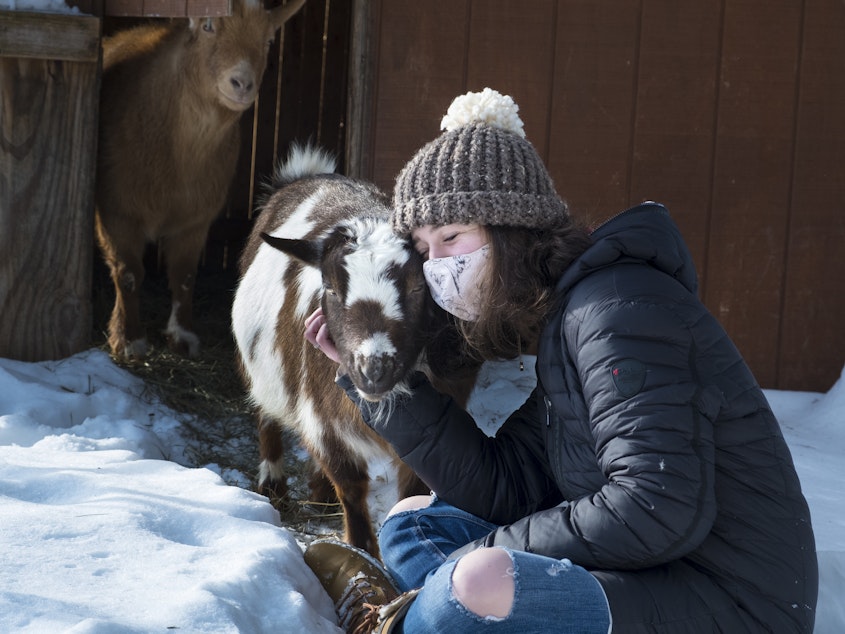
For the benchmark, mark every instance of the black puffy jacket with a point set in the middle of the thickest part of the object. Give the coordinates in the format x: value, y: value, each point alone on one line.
x: 682, y: 496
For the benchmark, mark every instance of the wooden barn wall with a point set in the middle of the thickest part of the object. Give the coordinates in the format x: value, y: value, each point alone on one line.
x: 730, y: 113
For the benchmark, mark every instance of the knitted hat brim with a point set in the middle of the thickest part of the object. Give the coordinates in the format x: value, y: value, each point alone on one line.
x: 536, y: 211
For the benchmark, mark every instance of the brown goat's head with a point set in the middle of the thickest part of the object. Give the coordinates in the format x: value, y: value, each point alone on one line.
x: 233, y: 49
x: 375, y: 300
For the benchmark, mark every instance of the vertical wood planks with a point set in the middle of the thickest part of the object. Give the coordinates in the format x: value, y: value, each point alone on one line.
x: 812, y: 345
x: 48, y: 138
x: 672, y: 154
x: 593, y: 104
x: 421, y: 68
x: 510, y: 51
x: 752, y: 175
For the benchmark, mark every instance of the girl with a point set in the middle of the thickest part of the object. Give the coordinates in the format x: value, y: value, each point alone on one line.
x: 644, y: 486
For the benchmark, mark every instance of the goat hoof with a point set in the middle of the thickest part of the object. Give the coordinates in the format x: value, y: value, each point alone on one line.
x: 183, y: 341
x: 130, y: 350
x: 274, y: 490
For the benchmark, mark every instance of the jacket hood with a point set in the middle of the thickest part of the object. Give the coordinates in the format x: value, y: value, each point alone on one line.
x: 645, y: 233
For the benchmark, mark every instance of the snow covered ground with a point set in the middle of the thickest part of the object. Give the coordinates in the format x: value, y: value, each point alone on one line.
x: 103, y: 531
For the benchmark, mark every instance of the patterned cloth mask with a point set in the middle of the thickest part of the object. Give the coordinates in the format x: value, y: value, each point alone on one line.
x: 455, y: 281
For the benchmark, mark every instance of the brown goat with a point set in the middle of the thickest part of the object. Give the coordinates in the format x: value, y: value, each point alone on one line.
x: 324, y: 240
x: 171, y: 100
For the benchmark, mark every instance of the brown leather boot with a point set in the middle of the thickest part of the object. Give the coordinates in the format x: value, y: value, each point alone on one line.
x: 390, y: 615
x: 358, y: 585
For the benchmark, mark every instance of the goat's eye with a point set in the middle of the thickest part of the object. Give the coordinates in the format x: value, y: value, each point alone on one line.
x: 208, y: 26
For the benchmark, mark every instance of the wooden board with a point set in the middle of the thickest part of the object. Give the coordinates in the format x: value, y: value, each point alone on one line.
x: 48, y: 133
x: 752, y: 176
x: 422, y: 66
x: 60, y: 36
x: 593, y: 105
x: 812, y: 333
x: 675, y: 115
x: 509, y: 51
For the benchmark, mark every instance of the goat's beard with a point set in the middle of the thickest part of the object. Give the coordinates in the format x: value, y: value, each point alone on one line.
x: 382, y: 408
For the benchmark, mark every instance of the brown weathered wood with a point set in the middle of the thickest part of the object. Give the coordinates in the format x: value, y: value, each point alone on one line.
x: 332, y: 127
x: 752, y: 176
x: 510, y: 51
x: 422, y: 67
x: 813, y: 335
x: 37, y: 35
x: 48, y: 132
x: 594, y: 98
x: 675, y: 116
x: 302, y: 79
x: 363, y: 54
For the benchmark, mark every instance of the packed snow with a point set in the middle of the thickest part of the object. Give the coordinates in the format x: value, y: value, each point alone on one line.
x: 103, y: 529
x: 42, y: 6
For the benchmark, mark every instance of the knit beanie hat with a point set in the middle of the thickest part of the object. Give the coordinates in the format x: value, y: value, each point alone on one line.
x: 480, y: 170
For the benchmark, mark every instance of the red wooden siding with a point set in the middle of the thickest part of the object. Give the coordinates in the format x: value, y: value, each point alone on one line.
x: 728, y: 112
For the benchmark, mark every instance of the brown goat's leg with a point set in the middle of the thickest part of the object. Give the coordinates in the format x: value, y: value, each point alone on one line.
x: 322, y: 489
x: 123, y: 250
x: 272, y: 481
x: 352, y: 484
x: 182, y: 253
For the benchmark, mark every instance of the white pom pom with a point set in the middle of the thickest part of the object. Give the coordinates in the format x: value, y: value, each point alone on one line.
x: 488, y: 106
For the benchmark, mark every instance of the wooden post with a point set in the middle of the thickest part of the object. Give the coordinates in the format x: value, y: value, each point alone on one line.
x: 49, y: 96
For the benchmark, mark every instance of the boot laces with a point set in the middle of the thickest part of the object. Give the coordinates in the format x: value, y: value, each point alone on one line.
x: 358, y: 606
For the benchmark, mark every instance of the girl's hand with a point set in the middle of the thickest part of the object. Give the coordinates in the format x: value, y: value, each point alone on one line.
x: 317, y: 333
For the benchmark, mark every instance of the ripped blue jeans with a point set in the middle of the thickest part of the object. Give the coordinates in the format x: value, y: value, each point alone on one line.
x: 551, y: 595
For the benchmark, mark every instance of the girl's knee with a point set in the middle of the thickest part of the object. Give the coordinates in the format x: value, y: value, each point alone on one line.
x: 483, y: 582
x: 413, y: 503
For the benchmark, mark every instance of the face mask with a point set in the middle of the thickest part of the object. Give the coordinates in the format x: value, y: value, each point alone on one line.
x: 454, y: 282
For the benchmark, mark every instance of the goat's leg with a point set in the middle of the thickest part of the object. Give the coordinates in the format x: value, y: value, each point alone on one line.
x: 272, y: 480
x: 123, y: 246
x: 182, y: 254
x: 322, y: 489
x: 352, y: 484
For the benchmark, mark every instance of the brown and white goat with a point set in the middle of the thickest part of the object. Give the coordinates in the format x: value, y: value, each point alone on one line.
x: 324, y: 239
x: 171, y: 100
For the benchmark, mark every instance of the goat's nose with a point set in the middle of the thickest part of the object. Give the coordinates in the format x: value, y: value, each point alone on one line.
x: 243, y: 84
x: 375, y: 369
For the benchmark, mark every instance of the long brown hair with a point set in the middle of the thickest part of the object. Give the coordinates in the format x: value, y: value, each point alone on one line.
x: 519, y: 289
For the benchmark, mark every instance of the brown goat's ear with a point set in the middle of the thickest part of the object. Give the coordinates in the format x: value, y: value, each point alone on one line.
x: 306, y: 251
x: 285, y: 12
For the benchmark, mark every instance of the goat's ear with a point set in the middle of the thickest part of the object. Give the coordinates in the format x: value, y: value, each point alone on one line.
x: 307, y: 251
x: 285, y: 12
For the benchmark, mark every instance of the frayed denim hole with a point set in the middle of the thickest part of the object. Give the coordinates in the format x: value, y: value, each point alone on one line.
x: 455, y: 603
x: 462, y: 609
x: 403, y: 514
x: 515, y: 574
x: 398, y: 515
